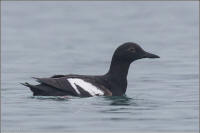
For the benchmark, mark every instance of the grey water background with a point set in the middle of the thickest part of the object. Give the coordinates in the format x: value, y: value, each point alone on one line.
x: 40, y: 39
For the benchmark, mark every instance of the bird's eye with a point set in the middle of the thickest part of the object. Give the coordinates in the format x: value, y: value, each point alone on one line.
x: 131, y: 50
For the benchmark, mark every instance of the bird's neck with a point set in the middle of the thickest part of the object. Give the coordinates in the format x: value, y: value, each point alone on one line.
x: 119, y: 70
x: 117, y: 77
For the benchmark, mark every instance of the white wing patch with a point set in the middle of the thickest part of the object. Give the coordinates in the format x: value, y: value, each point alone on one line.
x: 90, y: 88
x: 72, y: 82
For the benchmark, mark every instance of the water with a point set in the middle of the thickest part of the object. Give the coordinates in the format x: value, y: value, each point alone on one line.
x: 40, y: 39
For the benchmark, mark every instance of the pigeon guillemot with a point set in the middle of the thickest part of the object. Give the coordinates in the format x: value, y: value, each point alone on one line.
x: 113, y: 83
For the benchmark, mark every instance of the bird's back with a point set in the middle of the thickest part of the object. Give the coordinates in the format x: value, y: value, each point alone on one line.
x: 73, y: 85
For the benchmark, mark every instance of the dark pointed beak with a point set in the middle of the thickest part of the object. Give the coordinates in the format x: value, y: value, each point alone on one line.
x: 150, y: 55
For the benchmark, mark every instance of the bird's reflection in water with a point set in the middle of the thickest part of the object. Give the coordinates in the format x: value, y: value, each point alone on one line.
x: 53, y: 98
x: 120, y: 100
x: 119, y: 108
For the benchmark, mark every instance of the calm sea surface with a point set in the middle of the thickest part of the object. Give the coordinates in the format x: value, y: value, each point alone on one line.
x: 40, y: 39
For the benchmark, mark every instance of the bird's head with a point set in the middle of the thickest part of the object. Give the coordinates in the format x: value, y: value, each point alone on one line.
x: 130, y: 52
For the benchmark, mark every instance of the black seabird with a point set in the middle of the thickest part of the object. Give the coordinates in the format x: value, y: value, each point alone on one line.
x: 113, y: 83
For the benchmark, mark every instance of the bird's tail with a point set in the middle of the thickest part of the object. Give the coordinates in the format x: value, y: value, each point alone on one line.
x: 25, y: 84
x: 34, y: 88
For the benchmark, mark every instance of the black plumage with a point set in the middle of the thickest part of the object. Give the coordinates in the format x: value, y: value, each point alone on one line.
x: 113, y: 83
